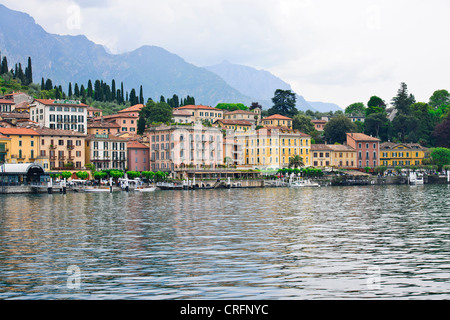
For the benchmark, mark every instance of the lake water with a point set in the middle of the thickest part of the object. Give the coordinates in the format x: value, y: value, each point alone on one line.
x: 389, y: 242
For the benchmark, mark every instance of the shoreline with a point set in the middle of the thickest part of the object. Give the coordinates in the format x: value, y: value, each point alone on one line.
x: 238, y: 184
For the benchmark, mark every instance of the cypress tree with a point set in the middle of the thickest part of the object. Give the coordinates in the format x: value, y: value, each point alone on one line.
x: 83, y: 91
x: 141, y: 96
x: 48, y: 85
x: 28, y: 73
x: 89, y: 90
x: 76, y: 90
x: 70, y: 94
x: 42, y: 84
x: 98, y: 92
x: 4, y: 65
x: 113, y: 90
x: 133, y: 97
x: 121, y: 90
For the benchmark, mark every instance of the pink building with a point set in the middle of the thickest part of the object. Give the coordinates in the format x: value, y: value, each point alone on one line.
x: 138, y: 156
x: 127, y: 122
x: 367, y: 149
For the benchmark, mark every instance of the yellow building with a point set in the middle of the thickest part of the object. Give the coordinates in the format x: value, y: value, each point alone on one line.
x: 272, y: 148
x: 202, y: 113
x: 236, y: 125
x: 402, y: 154
x: 24, y: 145
x: 5, y: 145
x: 277, y: 120
x: 61, y: 149
x: 330, y: 155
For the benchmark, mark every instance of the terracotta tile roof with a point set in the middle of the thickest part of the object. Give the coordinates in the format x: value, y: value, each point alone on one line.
x: 319, y: 121
x: 104, y: 124
x: 136, y: 107
x: 136, y: 145
x: 14, y: 115
x: 18, y: 131
x: 4, y: 101
x: 115, y: 116
x: 361, y: 137
x: 240, y: 112
x: 276, y: 117
x: 110, y: 137
x: 392, y: 145
x: 199, y: 107
x: 177, y: 112
x: 331, y: 147
x: 60, y: 103
x: 94, y: 109
x: 57, y: 132
x: 235, y: 122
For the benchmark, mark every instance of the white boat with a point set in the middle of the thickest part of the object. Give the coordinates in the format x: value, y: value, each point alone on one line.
x: 304, y: 184
x: 92, y: 189
x: 145, y: 189
x: 415, y: 178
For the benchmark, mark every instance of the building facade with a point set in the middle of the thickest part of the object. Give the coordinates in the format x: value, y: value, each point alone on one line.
x: 60, y: 114
x: 127, y: 122
x: 24, y: 145
x: 138, y: 156
x: 367, y: 149
x: 402, y: 154
x: 106, y: 151
x: 277, y: 120
x: 175, y: 147
x: 61, y: 149
x: 203, y: 113
x: 336, y: 156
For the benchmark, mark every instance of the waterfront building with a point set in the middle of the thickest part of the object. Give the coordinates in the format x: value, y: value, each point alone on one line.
x: 138, y: 156
x: 272, y: 147
x: 236, y: 125
x: 22, y: 174
x: 61, y: 149
x: 202, y: 113
x: 5, y: 146
x: 254, y: 117
x: 126, y: 121
x: 319, y: 125
x: 367, y: 149
x: 106, y: 151
x: 277, y: 121
x: 24, y: 145
x: 332, y: 155
x: 60, y: 114
x: 402, y: 154
x: 176, y: 147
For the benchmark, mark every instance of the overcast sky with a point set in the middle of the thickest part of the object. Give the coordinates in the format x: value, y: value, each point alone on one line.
x: 331, y: 51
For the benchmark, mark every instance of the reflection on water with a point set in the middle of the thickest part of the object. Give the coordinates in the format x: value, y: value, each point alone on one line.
x: 327, y: 243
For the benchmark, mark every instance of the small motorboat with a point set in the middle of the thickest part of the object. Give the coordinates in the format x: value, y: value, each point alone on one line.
x: 100, y: 189
x: 304, y: 184
x: 145, y: 189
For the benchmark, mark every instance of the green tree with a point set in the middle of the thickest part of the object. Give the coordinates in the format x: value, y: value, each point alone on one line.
x: 4, y: 68
x: 337, y: 128
x: 440, y: 157
x: 157, y: 112
x: 148, y: 175
x: 302, y: 123
x: 133, y: 174
x: 283, y: 103
x: 375, y: 105
x: 376, y: 124
x: 439, y: 98
x: 357, y: 108
x: 402, y: 101
x: 65, y: 174
x: 83, y: 175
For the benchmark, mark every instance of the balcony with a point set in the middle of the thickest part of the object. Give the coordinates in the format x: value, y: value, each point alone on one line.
x: 52, y: 147
x: 62, y: 158
x: 70, y: 147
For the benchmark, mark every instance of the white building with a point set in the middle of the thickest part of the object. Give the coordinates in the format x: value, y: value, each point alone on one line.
x: 60, y: 114
x: 106, y: 151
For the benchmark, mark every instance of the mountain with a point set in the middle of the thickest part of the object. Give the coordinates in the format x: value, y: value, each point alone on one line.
x: 73, y: 59
x: 259, y: 84
x: 324, y: 106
